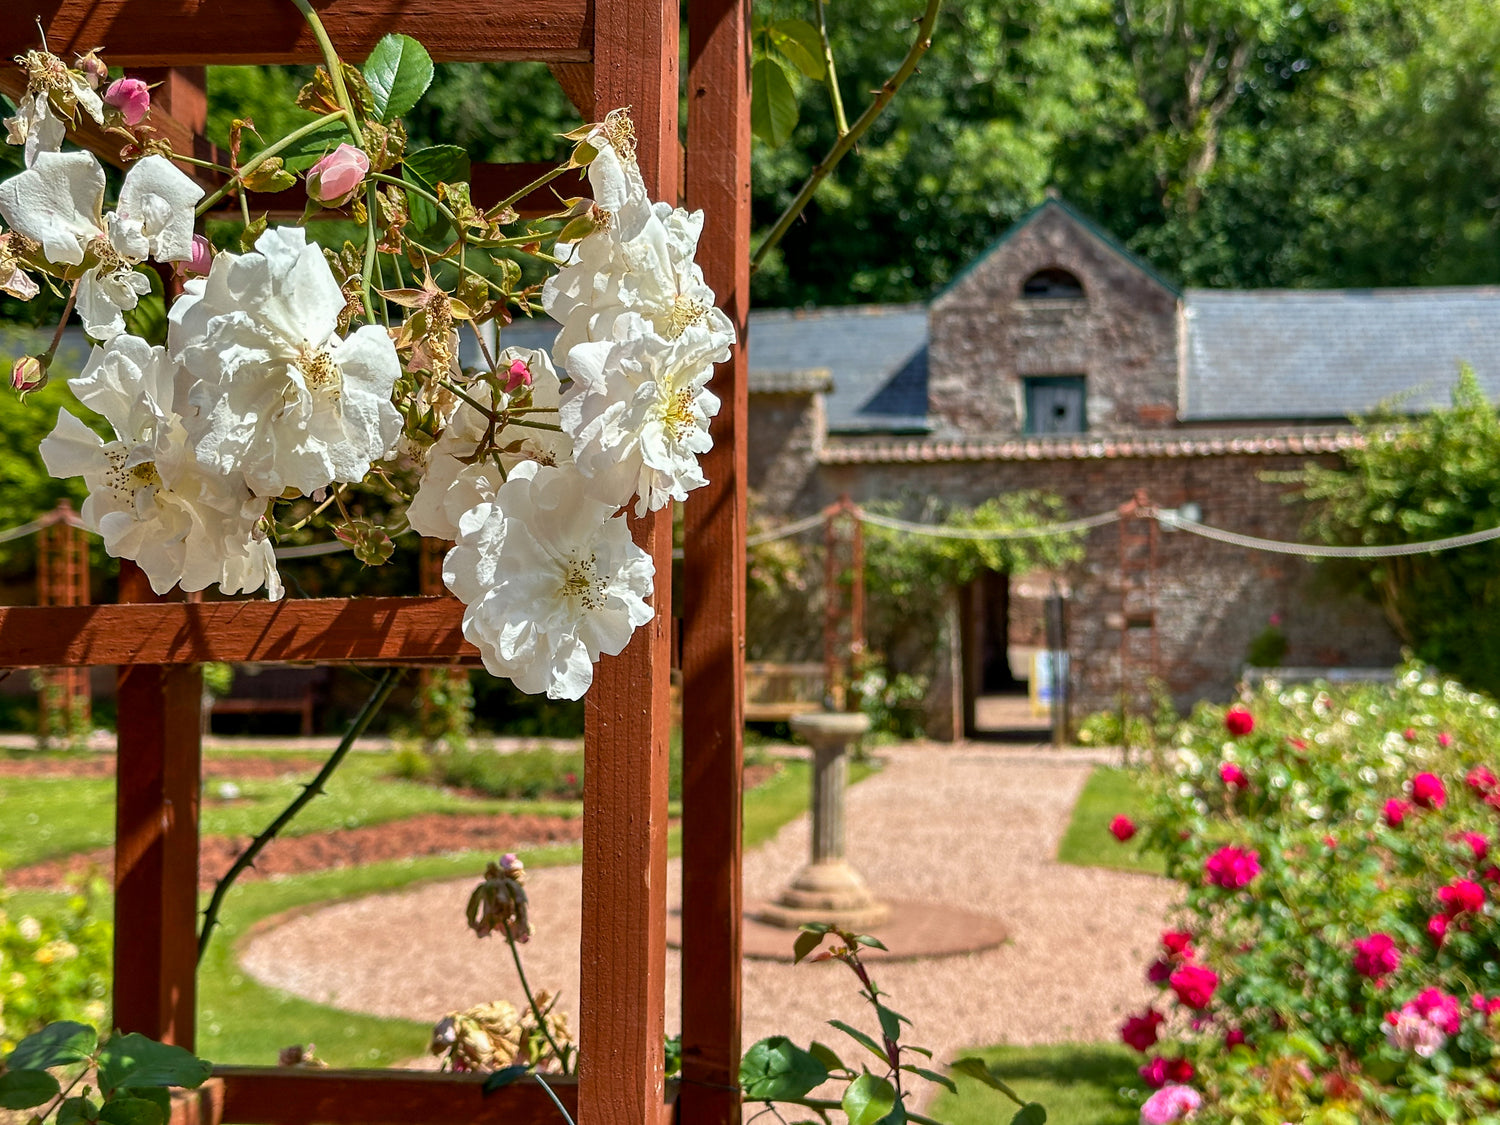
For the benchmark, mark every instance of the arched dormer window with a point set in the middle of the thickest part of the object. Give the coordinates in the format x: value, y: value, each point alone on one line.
x: 1052, y: 285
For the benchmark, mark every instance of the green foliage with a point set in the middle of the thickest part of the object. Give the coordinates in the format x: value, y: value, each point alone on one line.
x: 1267, y: 649
x: 1419, y: 479
x: 1307, y: 792
x: 1079, y: 1084
x: 893, y: 703
x: 398, y: 72
x: 54, y: 967
x: 521, y: 774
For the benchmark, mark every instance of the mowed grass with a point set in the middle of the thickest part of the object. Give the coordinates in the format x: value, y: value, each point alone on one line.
x: 1108, y: 793
x: 242, y: 1021
x: 47, y: 817
x: 1078, y: 1084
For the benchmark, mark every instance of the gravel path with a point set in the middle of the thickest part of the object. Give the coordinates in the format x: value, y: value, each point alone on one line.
x: 975, y: 826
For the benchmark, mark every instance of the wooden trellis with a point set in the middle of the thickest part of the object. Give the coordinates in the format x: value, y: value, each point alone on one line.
x: 606, y: 53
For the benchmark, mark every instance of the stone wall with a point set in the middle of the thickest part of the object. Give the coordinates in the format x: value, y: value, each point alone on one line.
x: 786, y: 435
x: 985, y: 338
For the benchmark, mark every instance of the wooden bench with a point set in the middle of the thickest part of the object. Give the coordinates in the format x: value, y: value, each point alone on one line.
x: 776, y: 692
x: 274, y: 690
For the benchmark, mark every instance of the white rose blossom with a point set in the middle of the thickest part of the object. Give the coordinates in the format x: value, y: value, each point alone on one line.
x: 550, y: 580
x: 37, y: 127
x: 58, y: 203
x: 452, y: 482
x: 149, y: 498
x: 279, y: 396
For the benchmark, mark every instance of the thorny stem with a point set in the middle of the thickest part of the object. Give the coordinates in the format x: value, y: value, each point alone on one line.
x: 335, y: 71
x: 367, y: 279
x: 62, y: 323
x: 381, y: 177
x: 831, y: 76
x: 846, y: 142
x: 541, y: 1021
x: 387, y: 684
x: 305, y: 520
x: 260, y: 158
x: 62, y: 1095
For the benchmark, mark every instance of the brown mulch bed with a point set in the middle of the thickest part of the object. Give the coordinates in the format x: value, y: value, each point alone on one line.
x: 433, y: 834
x: 103, y: 765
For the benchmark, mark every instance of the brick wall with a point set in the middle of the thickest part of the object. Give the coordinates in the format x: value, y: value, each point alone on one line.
x: 786, y: 435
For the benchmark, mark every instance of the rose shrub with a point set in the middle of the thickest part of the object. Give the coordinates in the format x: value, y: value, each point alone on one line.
x: 1335, y: 961
x: 53, y: 969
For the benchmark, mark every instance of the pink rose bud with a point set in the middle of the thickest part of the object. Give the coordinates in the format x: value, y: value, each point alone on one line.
x: 1233, y: 777
x: 131, y: 97
x: 28, y: 374
x: 199, y: 264
x: 333, y: 180
x: 518, y: 375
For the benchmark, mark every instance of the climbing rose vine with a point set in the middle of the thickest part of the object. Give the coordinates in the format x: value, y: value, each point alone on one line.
x: 292, y: 372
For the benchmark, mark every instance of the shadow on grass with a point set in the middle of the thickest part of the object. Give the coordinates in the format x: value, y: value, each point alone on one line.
x: 1078, y: 1084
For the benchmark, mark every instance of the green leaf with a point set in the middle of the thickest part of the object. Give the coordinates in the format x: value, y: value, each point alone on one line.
x: 426, y: 168
x: 502, y: 1078
x: 890, y: 1021
x: 827, y: 1056
x: 932, y: 1076
x: 976, y: 1068
x: 799, y: 43
x: 157, y: 1096
x: 806, y: 942
x: 306, y: 151
x: 133, y: 1060
x: 871, y: 942
x: 57, y: 1044
x: 1031, y: 1113
x: 861, y: 1038
x: 776, y: 1068
x: 131, y: 1111
x: 22, y: 1089
x: 398, y: 72
x: 868, y: 1099
x: 773, y: 103
x: 77, y: 1111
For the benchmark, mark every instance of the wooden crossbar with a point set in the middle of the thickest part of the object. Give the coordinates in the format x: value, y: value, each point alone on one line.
x: 248, y: 32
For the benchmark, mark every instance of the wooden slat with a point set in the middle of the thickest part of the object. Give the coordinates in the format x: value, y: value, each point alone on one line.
x: 717, y: 181
x: 304, y: 631
x: 577, y: 81
x: 156, y: 843
x: 147, y: 33
x: 291, y: 1096
x: 623, y: 953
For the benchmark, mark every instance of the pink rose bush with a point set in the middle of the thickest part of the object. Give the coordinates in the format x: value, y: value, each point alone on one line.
x: 1335, y: 958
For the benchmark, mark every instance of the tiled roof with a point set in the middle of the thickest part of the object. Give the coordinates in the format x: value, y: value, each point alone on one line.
x: 1332, y: 353
x: 1175, y: 443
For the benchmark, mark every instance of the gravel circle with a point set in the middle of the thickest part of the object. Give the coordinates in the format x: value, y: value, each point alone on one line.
x: 971, y: 825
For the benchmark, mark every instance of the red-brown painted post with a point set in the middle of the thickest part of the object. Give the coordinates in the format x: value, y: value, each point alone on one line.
x: 713, y: 655
x: 623, y: 956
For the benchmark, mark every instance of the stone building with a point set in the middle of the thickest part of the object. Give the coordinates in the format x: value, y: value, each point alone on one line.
x: 1060, y: 362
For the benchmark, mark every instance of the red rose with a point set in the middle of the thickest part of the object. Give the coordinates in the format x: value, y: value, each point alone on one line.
x: 1482, y: 780
x: 1428, y: 791
x: 1478, y: 844
x: 1445, y: 740
x: 1233, y: 1038
x: 1177, y: 943
x: 1231, y: 867
x: 1462, y: 896
x: 1395, y: 811
x: 1234, y: 777
x: 1179, y: 1071
x: 1238, y: 721
x: 1437, y: 929
x: 1409, y: 734
x: 1122, y: 828
x: 1376, y: 955
x: 1154, y: 1073
x: 1141, y: 1031
x: 1194, y: 985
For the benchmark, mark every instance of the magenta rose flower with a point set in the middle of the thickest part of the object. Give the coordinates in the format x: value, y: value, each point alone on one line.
x: 1439, y: 1009
x: 1177, y: 943
x: 1445, y: 740
x: 1233, y: 777
x: 1462, y: 896
x: 1437, y: 929
x: 1478, y: 844
x: 1238, y: 721
x: 131, y: 97
x: 1195, y: 985
x: 1376, y: 955
x: 1231, y: 867
x: 1427, y: 790
x: 1141, y: 1031
x: 1482, y: 780
x: 1233, y: 1038
x: 1122, y: 828
x: 1170, y: 1104
x: 333, y: 180
x: 1396, y: 811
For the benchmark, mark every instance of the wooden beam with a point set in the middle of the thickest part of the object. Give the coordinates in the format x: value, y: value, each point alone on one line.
x: 152, y: 33
x: 296, y: 631
x: 713, y: 652
x: 622, y: 1014
x: 577, y: 81
x: 156, y: 842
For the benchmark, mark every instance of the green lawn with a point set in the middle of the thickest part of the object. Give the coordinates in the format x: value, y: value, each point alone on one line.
x: 241, y: 1021
x: 1087, y: 843
x: 1078, y: 1084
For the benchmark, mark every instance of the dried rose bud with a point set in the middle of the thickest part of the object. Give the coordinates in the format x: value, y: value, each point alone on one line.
x: 93, y: 69
x: 29, y: 373
x: 333, y: 180
x: 131, y: 97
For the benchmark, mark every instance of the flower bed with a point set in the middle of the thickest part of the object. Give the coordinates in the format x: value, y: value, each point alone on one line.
x: 1335, y: 961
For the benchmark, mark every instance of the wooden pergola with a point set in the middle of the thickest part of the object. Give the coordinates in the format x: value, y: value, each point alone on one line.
x: 606, y: 53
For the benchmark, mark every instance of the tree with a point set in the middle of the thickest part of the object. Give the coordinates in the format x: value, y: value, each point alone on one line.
x: 1416, y: 480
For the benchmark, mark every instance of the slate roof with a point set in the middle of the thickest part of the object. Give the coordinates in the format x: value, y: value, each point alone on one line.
x: 1277, y: 354
x: 875, y: 356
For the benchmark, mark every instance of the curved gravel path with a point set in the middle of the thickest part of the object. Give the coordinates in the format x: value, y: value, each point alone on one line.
x: 976, y: 826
